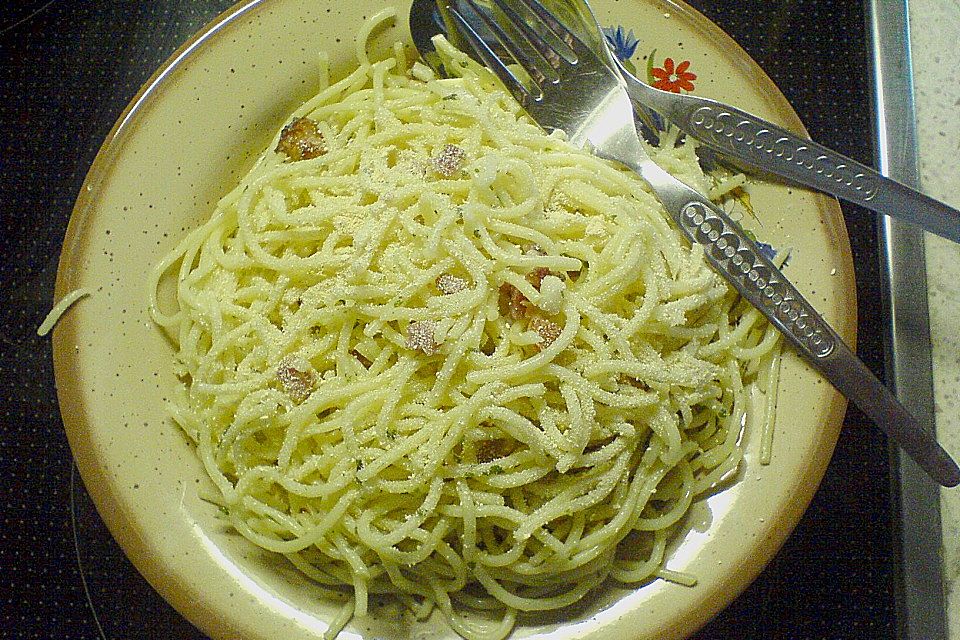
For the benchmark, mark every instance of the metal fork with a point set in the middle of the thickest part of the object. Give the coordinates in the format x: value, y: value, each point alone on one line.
x: 570, y: 88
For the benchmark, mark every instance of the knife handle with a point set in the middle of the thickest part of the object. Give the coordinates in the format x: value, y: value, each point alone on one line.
x: 761, y: 283
x: 764, y: 145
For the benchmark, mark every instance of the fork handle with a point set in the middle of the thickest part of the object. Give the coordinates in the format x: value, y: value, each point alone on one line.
x: 761, y: 283
x: 768, y: 147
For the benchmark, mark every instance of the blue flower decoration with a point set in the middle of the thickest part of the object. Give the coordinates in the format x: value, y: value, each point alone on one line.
x: 767, y: 249
x: 623, y: 43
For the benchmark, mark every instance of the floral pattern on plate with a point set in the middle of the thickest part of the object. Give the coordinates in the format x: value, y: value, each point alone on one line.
x: 676, y: 77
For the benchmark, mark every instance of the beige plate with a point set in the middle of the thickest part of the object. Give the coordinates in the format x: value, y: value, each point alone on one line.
x: 186, y: 139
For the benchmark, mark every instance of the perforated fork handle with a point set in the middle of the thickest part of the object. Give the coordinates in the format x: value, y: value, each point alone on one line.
x: 760, y: 282
x: 763, y: 145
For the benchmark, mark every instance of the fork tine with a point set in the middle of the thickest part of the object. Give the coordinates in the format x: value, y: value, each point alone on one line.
x: 518, y: 44
x: 491, y: 59
x: 560, y: 30
x: 545, y: 51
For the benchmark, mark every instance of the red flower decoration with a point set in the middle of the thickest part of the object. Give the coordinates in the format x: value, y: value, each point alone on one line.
x: 673, y: 79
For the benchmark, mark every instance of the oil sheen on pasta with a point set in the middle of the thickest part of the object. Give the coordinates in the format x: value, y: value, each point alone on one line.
x: 451, y: 358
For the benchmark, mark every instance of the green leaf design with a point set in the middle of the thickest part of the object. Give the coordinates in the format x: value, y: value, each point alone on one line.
x: 650, y: 78
x: 743, y: 197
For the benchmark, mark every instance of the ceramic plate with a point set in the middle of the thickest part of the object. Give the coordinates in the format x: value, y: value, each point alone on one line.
x: 187, y: 138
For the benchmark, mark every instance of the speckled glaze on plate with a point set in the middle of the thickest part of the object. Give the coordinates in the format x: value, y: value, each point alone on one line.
x: 186, y: 139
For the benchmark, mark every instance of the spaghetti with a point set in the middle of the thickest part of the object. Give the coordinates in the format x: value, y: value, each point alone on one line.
x: 60, y: 308
x: 428, y: 350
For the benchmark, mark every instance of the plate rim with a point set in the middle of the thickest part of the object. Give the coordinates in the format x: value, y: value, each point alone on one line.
x: 191, y: 604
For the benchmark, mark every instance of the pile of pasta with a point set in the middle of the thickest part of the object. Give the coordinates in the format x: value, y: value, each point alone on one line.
x: 428, y: 350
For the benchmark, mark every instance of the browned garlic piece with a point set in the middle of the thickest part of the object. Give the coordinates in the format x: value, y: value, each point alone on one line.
x: 420, y: 337
x: 301, y: 140
x: 448, y: 284
x: 548, y: 330
x: 449, y: 161
x: 297, y: 377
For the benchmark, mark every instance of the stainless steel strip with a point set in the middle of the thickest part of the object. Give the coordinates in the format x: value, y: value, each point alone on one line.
x: 922, y: 608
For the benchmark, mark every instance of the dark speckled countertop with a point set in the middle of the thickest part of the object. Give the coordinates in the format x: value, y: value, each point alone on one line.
x: 67, y: 71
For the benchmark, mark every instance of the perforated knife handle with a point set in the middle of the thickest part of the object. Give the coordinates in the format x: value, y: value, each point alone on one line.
x: 759, y: 281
